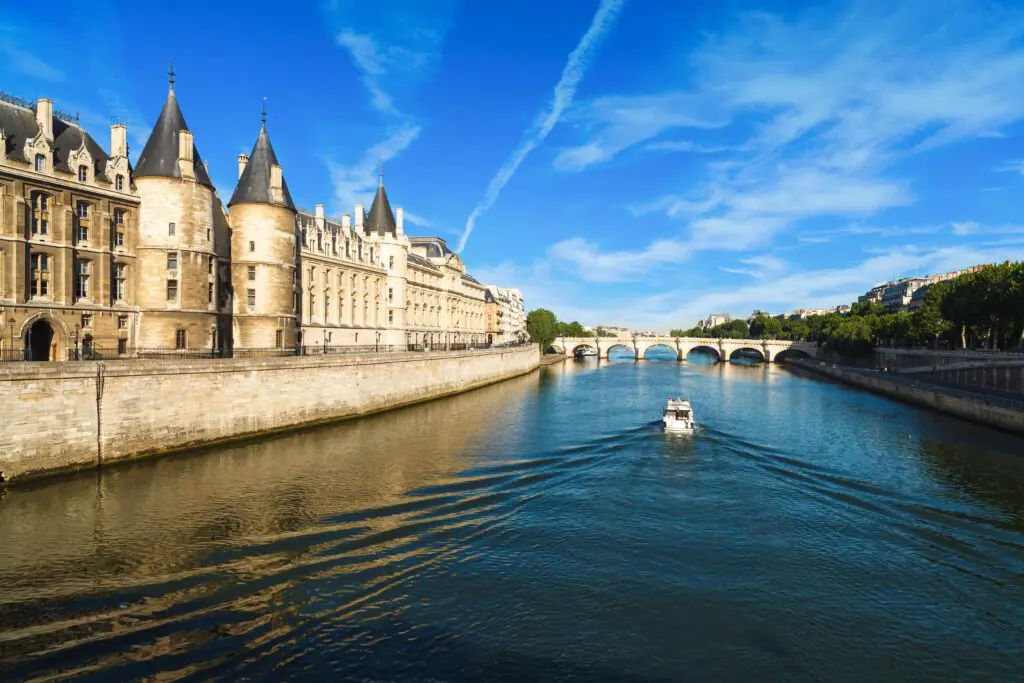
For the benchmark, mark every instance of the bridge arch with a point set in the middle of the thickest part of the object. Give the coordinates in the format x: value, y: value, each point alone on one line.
x: 694, y: 353
x: 619, y: 349
x: 580, y: 347
x: 661, y: 348
x: 747, y: 352
x: 790, y: 354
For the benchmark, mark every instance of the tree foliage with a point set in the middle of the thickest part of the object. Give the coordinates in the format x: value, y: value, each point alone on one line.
x: 542, y: 327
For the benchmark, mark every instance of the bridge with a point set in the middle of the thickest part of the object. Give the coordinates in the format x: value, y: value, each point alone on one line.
x: 769, y: 350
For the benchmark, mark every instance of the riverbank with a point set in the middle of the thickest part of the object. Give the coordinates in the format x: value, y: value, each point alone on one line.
x: 552, y: 359
x: 61, y: 417
x: 979, y: 408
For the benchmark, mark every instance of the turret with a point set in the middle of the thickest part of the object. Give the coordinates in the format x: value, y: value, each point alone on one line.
x: 263, y: 251
x: 177, y: 289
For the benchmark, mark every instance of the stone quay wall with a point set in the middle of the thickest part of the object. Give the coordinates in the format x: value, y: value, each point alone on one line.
x: 60, y: 417
x: 934, y: 398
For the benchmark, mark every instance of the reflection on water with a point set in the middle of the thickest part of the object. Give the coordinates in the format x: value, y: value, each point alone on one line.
x: 542, y: 528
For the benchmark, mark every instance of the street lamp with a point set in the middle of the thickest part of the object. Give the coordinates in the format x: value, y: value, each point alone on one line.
x: 75, y: 339
x: 10, y: 325
x: 213, y: 340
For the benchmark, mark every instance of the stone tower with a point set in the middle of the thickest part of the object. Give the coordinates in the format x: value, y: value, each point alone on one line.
x: 263, y: 273
x: 381, y: 227
x: 177, y: 261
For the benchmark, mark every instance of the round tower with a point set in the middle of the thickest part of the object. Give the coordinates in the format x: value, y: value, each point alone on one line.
x: 382, y: 227
x: 176, y: 257
x: 263, y: 255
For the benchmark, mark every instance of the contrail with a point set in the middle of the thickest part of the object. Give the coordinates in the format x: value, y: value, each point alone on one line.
x: 565, y: 90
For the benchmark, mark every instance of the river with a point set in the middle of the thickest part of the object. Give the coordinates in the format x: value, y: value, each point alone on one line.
x: 541, y: 529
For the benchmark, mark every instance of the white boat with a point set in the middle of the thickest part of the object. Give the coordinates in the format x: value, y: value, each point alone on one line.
x: 587, y: 351
x: 678, y: 416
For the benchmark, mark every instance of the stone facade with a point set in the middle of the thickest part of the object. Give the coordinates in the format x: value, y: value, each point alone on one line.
x: 68, y: 237
x: 506, y: 318
x: 148, y: 260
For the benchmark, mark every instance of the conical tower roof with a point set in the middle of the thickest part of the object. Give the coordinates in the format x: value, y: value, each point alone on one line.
x: 380, y: 220
x: 254, y: 184
x: 160, y: 155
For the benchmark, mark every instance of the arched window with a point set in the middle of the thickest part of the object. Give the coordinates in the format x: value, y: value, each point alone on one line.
x: 83, y: 173
x: 252, y: 246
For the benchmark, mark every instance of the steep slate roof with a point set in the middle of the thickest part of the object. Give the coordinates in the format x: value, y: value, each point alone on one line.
x: 254, y: 184
x: 380, y: 219
x: 160, y: 155
x: 19, y: 125
x: 420, y: 261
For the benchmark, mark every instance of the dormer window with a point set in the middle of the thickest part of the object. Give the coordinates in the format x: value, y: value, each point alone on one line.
x: 40, y: 163
x: 119, y: 182
x: 83, y: 173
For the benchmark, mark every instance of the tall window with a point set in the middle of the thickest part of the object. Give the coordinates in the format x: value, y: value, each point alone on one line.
x: 252, y: 246
x: 40, y: 213
x: 391, y: 262
x: 119, y: 282
x: 172, y: 290
x: 209, y: 292
x: 40, y: 163
x: 40, y: 275
x: 172, y: 260
x: 118, y: 227
x: 279, y: 339
x: 180, y: 339
x: 391, y: 294
x: 170, y: 228
x: 251, y: 297
x: 83, y: 173
x: 83, y: 209
x: 119, y: 182
x: 122, y: 346
x: 391, y: 317
x: 252, y: 273
x: 81, y: 279
x: 209, y: 266
x: 209, y: 234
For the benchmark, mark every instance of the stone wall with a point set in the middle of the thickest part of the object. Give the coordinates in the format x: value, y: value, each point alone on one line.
x: 67, y: 416
x: 992, y: 414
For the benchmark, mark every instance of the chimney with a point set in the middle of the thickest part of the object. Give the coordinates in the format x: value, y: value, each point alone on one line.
x: 243, y: 159
x: 185, y: 144
x: 319, y: 211
x: 118, y: 140
x: 44, y: 117
x: 359, y: 217
x: 346, y: 221
x: 3, y: 144
x: 399, y: 221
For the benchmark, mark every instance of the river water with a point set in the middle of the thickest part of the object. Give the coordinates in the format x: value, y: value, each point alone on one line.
x: 541, y: 529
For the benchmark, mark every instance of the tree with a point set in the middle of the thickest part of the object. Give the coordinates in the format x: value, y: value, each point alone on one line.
x: 541, y: 324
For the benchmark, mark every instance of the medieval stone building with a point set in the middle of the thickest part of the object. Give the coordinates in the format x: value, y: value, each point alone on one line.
x: 99, y: 259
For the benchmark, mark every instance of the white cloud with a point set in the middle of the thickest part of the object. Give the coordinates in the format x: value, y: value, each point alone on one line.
x: 575, y: 68
x: 28, y: 64
x: 352, y: 183
x: 1016, y: 166
x: 760, y: 267
x: 965, y: 228
x: 592, y: 265
x: 417, y: 220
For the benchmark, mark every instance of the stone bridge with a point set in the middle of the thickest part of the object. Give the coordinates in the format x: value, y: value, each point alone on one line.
x: 768, y: 349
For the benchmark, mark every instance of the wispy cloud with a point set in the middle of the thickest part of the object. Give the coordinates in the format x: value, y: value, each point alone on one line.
x: 26, y: 63
x: 575, y: 68
x: 759, y: 267
x: 353, y: 182
x: 965, y: 228
x: 418, y: 220
x: 1014, y: 166
x: 592, y: 265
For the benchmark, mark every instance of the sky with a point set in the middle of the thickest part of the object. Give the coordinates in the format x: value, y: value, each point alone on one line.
x: 638, y: 163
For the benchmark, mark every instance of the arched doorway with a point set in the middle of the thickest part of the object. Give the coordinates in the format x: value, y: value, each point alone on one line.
x: 39, y: 341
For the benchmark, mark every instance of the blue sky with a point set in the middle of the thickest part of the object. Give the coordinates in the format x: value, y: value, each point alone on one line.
x: 639, y: 163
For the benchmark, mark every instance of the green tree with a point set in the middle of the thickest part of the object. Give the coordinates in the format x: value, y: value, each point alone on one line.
x: 541, y: 325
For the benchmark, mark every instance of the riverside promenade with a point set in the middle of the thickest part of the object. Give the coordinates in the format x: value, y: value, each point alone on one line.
x: 61, y: 417
x: 980, y: 406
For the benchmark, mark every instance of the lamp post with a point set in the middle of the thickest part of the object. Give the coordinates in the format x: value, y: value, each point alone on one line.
x: 10, y: 325
x: 213, y: 340
x: 74, y: 337
x: 376, y: 344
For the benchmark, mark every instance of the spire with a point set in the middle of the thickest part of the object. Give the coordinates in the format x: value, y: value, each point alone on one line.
x: 380, y: 176
x: 254, y: 183
x: 264, y: 112
x: 170, y: 76
x: 380, y: 219
x: 159, y: 157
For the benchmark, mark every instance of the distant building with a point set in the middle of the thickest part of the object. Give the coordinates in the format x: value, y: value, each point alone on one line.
x: 714, y: 320
x: 506, y: 315
x: 842, y: 309
x: 873, y: 294
x: 758, y: 313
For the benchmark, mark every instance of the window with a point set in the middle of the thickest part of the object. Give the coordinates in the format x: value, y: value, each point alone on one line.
x: 83, y: 173
x: 391, y: 262
x: 391, y: 317
x: 83, y: 209
x: 122, y: 322
x: 170, y: 228
x: 252, y: 246
x: 209, y: 292
x: 40, y: 275
x: 82, y: 234
x: 172, y: 290
x: 86, y: 320
x: 119, y: 182
x: 208, y: 234
x: 252, y: 273
x: 251, y: 297
x: 172, y: 260
x: 122, y: 346
x: 119, y: 283
x: 180, y: 339
x: 40, y: 213
x: 391, y: 295
x: 40, y: 163
x: 371, y: 255
x: 279, y: 339
x: 81, y: 280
